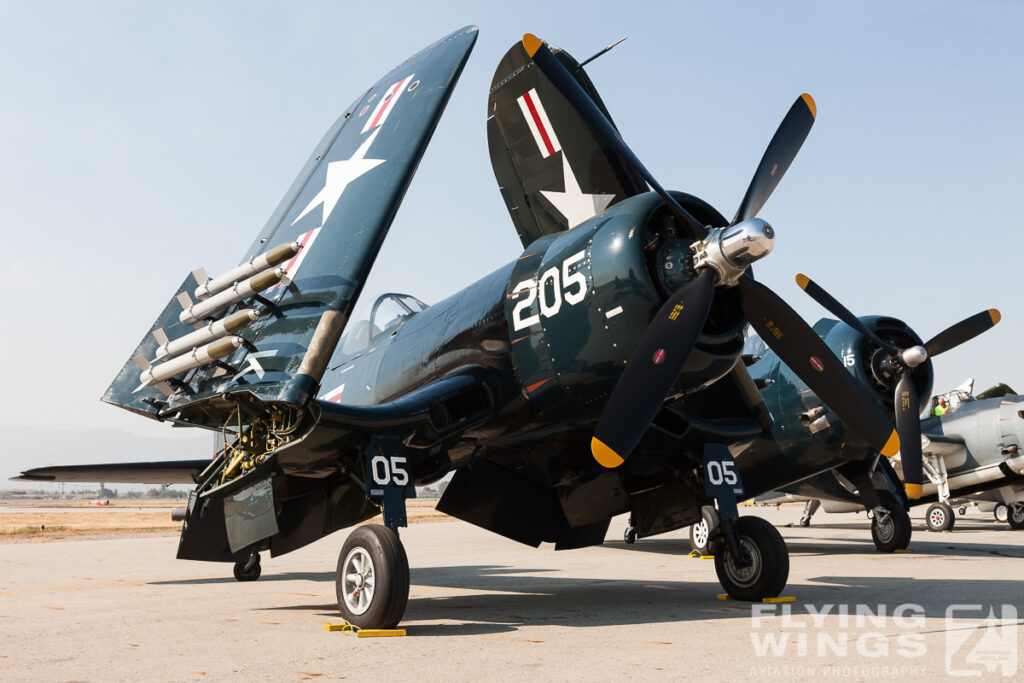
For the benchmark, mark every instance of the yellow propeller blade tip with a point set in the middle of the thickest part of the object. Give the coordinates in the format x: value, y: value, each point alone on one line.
x: 994, y: 314
x: 531, y: 43
x: 913, y: 490
x: 605, y: 456
x: 802, y: 280
x: 892, y: 446
x: 809, y: 101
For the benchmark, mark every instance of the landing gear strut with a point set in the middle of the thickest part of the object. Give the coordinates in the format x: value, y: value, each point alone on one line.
x: 248, y: 570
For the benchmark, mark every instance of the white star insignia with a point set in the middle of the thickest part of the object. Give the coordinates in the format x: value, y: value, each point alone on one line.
x: 573, y: 203
x: 339, y: 175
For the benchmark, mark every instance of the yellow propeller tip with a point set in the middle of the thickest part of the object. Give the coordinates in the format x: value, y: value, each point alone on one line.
x: 994, y: 314
x: 531, y: 43
x: 809, y: 101
x: 892, y: 446
x: 913, y: 490
x: 802, y: 280
x: 604, y: 455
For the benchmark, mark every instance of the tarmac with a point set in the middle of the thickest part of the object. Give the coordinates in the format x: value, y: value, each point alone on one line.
x: 485, y: 608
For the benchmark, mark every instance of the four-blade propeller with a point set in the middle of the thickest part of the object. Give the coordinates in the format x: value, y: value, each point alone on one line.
x: 901, y: 362
x: 721, y: 258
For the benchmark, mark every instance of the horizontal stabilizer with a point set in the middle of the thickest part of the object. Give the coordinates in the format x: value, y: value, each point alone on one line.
x: 170, y: 472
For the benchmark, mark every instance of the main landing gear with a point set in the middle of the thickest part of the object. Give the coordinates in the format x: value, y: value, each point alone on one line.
x: 700, y: 533
x: 751, y: 559
x: 761, y: 567
x: 890, y: 525
x: 1015, y: 516
x: 940, y: 517
x: 372, y: 578
x: 1001, y: 512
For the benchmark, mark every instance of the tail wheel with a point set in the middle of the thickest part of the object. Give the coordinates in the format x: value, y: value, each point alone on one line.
x: 630, y: 536
x: 1015, y: 516
x: 248, y: 570
x: 701, y: 532
x: 940, y: 517
x: 891, y: 531
x: 766, y: 574
x: 372, y: 579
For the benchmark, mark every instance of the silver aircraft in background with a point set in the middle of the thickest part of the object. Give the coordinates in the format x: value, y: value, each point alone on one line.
x: 972, y: 452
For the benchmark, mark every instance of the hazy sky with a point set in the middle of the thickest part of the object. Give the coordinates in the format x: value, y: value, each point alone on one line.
x: 141, y: 140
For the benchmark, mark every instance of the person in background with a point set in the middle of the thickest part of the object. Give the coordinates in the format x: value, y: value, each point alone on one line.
x: 941, y: 407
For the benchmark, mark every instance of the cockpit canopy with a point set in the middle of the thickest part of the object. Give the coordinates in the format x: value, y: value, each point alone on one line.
x: 388, y: 312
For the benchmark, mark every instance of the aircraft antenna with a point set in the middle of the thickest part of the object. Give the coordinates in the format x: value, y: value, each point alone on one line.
x: 593, y: 57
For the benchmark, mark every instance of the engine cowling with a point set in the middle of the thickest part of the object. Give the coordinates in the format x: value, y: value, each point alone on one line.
x: 579, y: 301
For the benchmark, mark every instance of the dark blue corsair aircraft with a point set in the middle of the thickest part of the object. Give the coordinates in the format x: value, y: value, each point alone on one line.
x: 617, y: 333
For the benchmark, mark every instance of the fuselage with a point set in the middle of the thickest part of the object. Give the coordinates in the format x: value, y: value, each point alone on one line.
x: 553, y: 329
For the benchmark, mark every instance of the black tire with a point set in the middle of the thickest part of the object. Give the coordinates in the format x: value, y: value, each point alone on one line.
x: 389, y: 570
x: 630, y: 535
x: 891, y: 532
x: 1016, y: 516
x: 253, y: 573
x: 962, y: 510
x: 1001, y: 513
x: 702, y: 531
x: 769, y: 571
x: 939, y: 517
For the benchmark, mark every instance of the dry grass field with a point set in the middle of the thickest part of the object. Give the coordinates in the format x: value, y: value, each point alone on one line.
x: 65, y: 519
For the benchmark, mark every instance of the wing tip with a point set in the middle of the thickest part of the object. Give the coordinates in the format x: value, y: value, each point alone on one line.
x: 892, y: 446
x: 802, y: 280
x: 809, y: 101
x: 531, y: 43
x: 604, y: 455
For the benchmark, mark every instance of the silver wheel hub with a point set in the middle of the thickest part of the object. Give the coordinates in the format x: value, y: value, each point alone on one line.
x: 938, y: 517
x: 701, y: 533
x: 748, y: 575
x: 885, y: 527
x: 358, y: 579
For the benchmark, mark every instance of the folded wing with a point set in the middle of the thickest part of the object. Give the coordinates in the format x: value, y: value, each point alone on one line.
x: 302, y: 275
